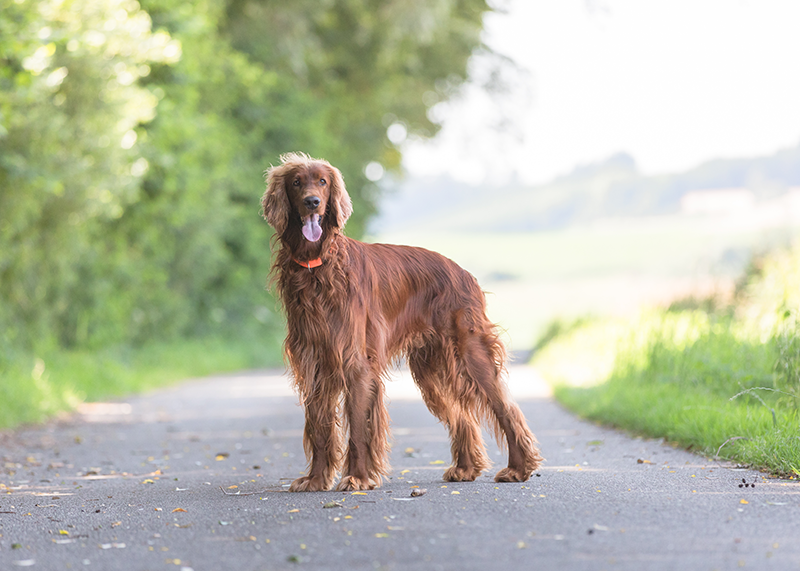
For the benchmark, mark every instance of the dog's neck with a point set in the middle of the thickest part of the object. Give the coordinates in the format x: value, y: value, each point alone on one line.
x: 301, y: 250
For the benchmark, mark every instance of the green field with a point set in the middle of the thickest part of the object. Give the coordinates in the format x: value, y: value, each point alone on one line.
x: 606, y: 269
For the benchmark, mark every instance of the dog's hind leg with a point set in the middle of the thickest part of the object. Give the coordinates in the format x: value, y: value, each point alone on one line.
x: 480, y: 356
x: 466, y: 443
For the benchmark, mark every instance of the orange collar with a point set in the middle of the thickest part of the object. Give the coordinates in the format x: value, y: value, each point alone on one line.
x: 309, y: 264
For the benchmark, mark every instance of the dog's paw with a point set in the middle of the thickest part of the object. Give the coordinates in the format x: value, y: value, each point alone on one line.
x: 354, y: 484
x: 512, y: 475
x: 309, y: 484
x: 456, y: 474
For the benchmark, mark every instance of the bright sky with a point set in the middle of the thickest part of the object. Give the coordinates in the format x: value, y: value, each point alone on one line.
x: 671, y: 82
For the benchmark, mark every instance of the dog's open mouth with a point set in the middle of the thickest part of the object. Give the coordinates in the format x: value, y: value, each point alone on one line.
x: 311, y: 228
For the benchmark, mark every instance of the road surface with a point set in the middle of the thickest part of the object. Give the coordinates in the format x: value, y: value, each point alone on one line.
x: 194, y: 477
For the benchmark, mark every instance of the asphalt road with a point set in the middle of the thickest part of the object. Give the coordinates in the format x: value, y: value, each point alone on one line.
x: 151, y: 483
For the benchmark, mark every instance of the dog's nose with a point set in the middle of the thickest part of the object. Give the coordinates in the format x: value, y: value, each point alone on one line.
x: 311, y: 202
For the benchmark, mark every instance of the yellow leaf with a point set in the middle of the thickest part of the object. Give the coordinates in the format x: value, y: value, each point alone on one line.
x: 437, y: 462
x: 232, y: 487
x: 404, y: 472
x: 454, y: 493
x: 358, y: 494
x: 178, y: 510
x: 381, y: 535
x: 63, y: 532
x: 293, y: 511
x: 743, y: 502
x: 148, y: 481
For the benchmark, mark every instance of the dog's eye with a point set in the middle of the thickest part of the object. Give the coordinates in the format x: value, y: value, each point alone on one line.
x: 323, y: 181
x: 296, y: 182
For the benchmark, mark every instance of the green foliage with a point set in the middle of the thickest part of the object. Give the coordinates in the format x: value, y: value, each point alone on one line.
x: 726, y: 379
x: 134, y: 135
x: 69, y: 107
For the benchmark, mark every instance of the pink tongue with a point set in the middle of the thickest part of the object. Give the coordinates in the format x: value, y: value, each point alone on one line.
x: 311, y: 228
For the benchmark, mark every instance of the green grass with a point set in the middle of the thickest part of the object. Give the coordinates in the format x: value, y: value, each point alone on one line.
x: 37, y: 386
x: 714, y: 382
x: 706, y: 423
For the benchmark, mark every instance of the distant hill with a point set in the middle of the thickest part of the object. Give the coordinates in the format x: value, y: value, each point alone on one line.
x: 610, y: 189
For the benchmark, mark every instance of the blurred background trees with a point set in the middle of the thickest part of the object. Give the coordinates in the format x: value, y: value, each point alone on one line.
x: 134, y: 135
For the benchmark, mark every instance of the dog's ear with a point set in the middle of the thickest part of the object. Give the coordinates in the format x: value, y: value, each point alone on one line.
x: 339, y: 202
x: 275, y: 203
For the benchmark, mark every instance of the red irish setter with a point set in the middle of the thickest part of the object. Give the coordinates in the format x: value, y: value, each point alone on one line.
x: 354, y: 307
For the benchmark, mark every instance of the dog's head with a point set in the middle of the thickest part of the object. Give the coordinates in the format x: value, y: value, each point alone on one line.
x: 306, y: 194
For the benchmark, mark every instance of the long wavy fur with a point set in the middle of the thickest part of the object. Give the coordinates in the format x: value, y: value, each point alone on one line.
x: 363, y: 307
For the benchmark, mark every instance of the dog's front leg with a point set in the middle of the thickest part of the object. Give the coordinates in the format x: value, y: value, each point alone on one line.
x: 368, y: 447
x: 322, y: 443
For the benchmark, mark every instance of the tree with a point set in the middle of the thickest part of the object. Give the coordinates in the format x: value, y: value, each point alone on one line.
x: 133, y: 138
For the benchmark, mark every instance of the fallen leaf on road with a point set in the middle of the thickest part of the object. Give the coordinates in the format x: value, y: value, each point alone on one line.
x: 437, y: 462
x: 641, y: 461
x: 333, y: 505
x: 381, y: 535
x: 358, y: 494
x: 743, y: 501
x: 293, y: 511
x: 221, y: 456
x: 148, y: 481
x: 179, y: 510
x: 63, y: 532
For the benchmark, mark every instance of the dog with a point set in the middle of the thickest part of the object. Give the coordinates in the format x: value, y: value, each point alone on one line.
x: 352, y: 308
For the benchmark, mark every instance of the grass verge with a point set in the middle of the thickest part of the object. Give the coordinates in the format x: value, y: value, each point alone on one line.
x: 36, y: 386
x: 722, y: 381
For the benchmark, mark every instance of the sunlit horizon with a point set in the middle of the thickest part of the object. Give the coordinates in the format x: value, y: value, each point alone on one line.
x: 673, y: 84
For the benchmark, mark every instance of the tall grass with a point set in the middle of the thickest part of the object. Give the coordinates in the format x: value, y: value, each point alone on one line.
x: 722, y: 380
